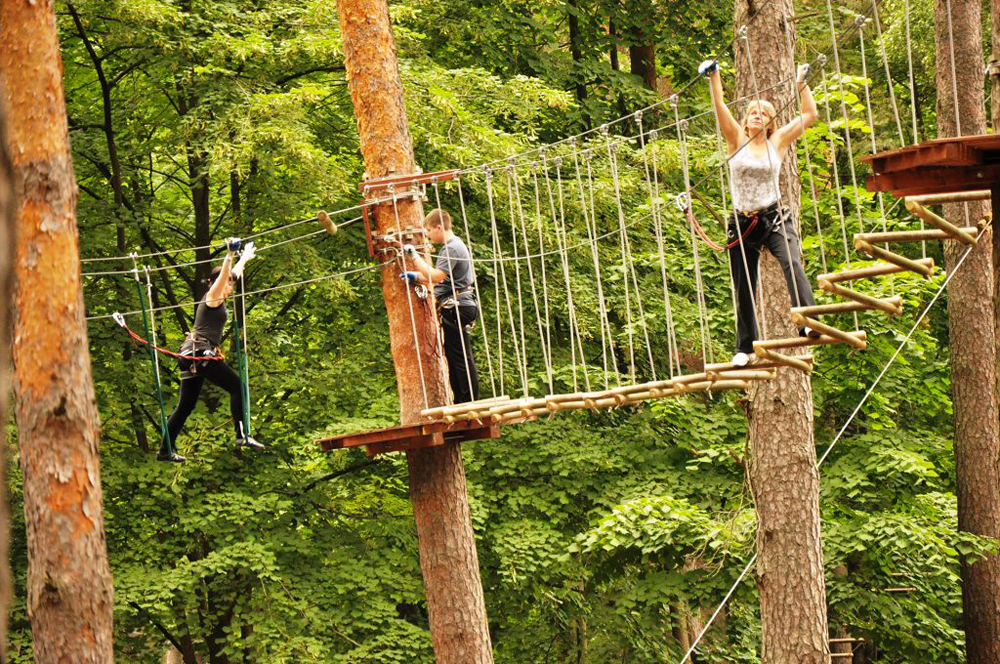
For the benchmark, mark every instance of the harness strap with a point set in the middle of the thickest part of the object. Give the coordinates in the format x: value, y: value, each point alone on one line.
x: 753, y: 216
x: 138, y: 339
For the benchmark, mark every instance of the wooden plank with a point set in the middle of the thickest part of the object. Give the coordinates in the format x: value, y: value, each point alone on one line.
x: 940, y: 222
x: 435, y: 413
x: 846, y: 307
x: 935, y: 180
x: 830, y: 331
x: 952, y: 197
x: 939, y: 154
x: 390, y: 434
x: 892, y: 257
x: 780, y: 358
x: 402, y: 444
x: 867, y: 272
x: 724, y: 367
x: 851, y: 294
x: 799, y: 342
x: 909, y: 236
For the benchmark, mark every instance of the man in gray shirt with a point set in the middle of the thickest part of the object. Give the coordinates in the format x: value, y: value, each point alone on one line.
x: 452, y: 276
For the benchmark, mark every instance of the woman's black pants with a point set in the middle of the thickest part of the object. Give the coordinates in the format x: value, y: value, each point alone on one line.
x: 462, y: 372
x: 218, y: 373
x: 775, y: 231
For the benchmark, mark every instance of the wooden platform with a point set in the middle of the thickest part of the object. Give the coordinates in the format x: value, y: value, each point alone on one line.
x: 412, y: 436
x: 940, y: 166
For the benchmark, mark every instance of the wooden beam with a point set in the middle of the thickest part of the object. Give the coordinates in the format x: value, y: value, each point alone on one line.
x: 940, y: 222
x: 952, y: 197
x: 867, y: 272
x: 909, y: 236
x: 851, y: 294
x: 846, y: 307
x: 830, y: 331
x: 892, y: 257
x: 799, y: 342
x: 935, y: 180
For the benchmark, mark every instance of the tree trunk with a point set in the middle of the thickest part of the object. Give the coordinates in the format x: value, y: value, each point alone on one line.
x: 580, y: 83
x: 972, y: 336
x: 8, y: 211
x: 448, y: 557
x: 69, y: 581
x: 782, y: 464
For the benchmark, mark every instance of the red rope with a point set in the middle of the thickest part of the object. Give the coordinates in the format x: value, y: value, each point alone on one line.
x: 136, y: 338
x: 707, y: 240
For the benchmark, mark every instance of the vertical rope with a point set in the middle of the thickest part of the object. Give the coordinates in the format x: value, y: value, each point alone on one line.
x: 954, y: 75
x: 621, y: 227
x: 511, y: 195
x: 913, y: 84
x: 475, y: 285
x: 497, y: 272
x: 564, y: 251
x: 547, y: 338
x: 660, y: 247
x: 591, y: 235
x: 149, y: 323
x: 454, y: 296
x: 243, y: 360
x: 706, y: 349
x: 871, y: 125
x: 597, y: 267
x: 413, y: 318
x: 888, y: 73
x: 836, y: 179
x: 498, y: 253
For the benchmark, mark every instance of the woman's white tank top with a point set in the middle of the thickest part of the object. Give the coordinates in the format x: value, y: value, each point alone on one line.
x: 754, y: 182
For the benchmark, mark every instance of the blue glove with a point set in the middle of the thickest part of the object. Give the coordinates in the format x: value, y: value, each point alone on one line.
x: 234, y: 244
x: 708, y: 67
x: 411, y: 277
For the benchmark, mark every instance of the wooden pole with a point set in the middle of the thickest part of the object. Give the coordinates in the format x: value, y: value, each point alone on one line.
x: 69, y: 591
x: 448, y: 559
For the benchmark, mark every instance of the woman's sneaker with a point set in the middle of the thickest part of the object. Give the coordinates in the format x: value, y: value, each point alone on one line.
x: 249, y: 442
x: 172, y: 456
x: 742, y: 359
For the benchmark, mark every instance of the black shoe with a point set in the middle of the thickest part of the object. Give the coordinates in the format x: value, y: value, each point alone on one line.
x: 249, y: 442
x: 171, y: 456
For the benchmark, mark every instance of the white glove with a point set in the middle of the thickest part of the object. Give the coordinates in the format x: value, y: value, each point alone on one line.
x: 802, y: 74
x: 409, y: 250
x: 249, y: 251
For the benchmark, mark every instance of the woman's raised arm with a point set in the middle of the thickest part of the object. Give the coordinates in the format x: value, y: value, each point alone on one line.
x: 728, y: 125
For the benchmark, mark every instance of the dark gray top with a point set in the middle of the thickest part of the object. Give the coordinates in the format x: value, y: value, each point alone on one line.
x: 209, y: 323
x: 456, y: 261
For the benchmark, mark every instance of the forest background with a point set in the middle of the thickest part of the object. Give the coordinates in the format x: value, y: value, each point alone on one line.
x: 601, y: 537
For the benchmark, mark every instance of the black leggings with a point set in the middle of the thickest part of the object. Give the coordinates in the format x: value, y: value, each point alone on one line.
x: 462, y: 372
x: 775, y: 230
x: 219, y: 373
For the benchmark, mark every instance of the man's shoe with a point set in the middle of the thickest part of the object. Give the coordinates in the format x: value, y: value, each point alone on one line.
x: 741, y: 359
x: 172, y: 456
x: 249, y: 442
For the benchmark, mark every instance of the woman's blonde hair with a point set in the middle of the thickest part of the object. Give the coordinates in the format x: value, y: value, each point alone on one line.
x: 765, y: 106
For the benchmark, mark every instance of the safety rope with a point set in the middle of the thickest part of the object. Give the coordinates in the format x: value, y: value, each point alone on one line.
x: 164, y: 429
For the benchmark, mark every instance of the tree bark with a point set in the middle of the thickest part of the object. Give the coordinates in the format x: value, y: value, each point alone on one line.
x: 69, y: 581
x: 448, y: 558
x: 782, y: 468
x: 972, y: 335
x: 8, y: 211
x: 576, y: 52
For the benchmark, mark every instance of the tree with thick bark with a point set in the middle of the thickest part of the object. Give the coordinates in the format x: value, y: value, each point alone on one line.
x: 782, y: 467
x: 69, y: 581
x: 972, y: 333
x: 8, y: 212
x: 448, y: 558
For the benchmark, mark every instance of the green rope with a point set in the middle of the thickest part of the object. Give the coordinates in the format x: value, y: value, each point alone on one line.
x: 242, y: 363
x: 156, y: 374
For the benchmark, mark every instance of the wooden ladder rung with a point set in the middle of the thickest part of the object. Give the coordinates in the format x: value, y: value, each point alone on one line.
x: 851, y: 294
x: 830, y: 331
x: 940, y: 222
x: 895, y: 302
x: 461, y: 408
x: 724, y: 368
x: 953, y: 197
x: 749, y: 372
x: 878, y: 270
x: 892, y: 257
x: 910, y: 236
x: 780, y: 358
x: 799, y: 342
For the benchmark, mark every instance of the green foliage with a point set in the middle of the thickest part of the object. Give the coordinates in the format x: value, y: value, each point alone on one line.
x: 606, y: 532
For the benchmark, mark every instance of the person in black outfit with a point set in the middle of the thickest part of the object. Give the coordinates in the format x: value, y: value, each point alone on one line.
x: 203, y: 342
x: 453, y: 277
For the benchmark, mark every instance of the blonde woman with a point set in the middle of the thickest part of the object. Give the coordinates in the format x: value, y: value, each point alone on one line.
x: 756, y: 148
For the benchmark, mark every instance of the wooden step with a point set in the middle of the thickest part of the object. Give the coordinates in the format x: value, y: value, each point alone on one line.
x: 857, y: 296
x: 830, y: 331
x: 780, y: 358
x: 462, y: 408
x: 910, y: 236
x: 723, y: 368
x: 846, y: 307
x: 799, y: 342
x: 940, y: 222
x: 868, y: 272
x: 953, y: 197
x: 892, y: 257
